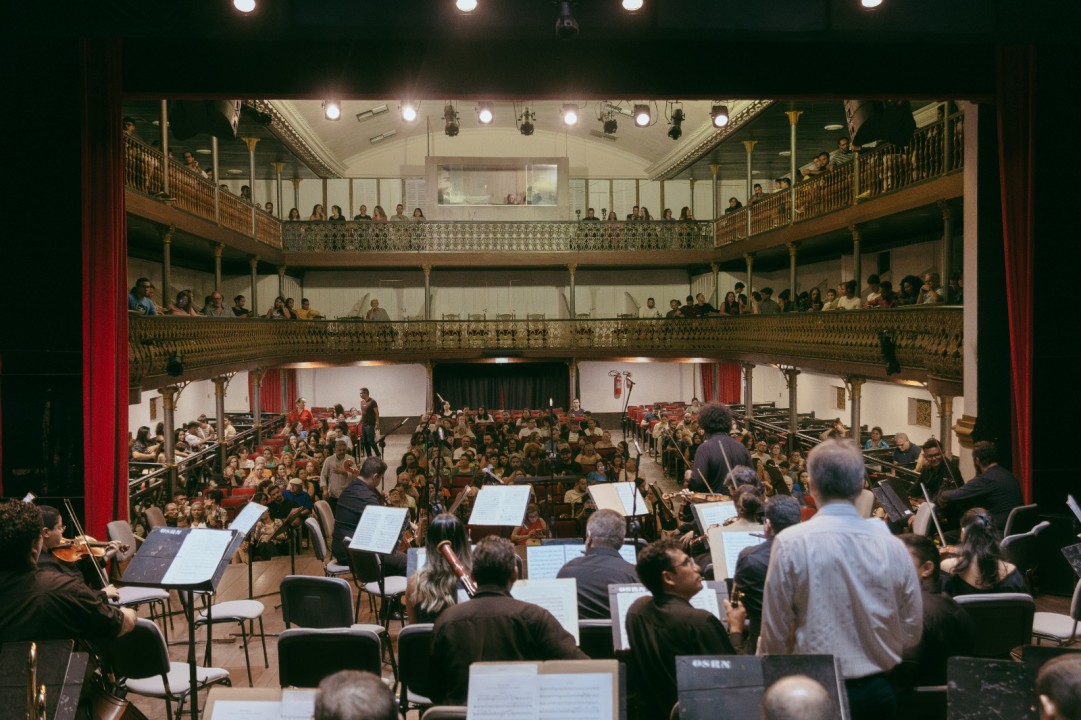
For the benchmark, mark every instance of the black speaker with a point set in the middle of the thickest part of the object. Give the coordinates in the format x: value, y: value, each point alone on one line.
x: 870, y: 120
x: 188, y: 118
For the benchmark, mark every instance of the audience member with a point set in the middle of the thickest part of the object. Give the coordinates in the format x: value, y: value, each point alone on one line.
x: 141, y: 298
x: 532, y: 530
x: 838, y: 585
x: 238, y: 307
x: 649, y: 310
x: 376, y: 313
x: 768, y: 306
x: 214, y: 306
x: 307, y: 312
x: 493, y: 626
x: 906, y: 453
x: 849, y: 299
x: 362, y: 213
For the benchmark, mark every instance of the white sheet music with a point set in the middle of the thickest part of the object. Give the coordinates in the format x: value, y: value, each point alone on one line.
x: 249, y: 709
x: 379, y: 529
x: 500, y: 505
x: 619, y: 497
x: 544, y: 561
x: 724, y: 549
x: 572, y: 696
x: 298, y: 704
x: 714, y: 513
x: 705, y: 599
x: 198, y: 557
x: 247, y: 518
x: 557, y: 596
x: 502, y: 691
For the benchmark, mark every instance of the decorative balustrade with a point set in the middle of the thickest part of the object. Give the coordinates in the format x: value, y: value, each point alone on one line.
x: 192, y: 193
x: 472, y: 236
x: 928, y: 340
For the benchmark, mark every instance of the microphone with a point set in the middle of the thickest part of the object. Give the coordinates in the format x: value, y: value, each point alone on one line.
x: 441, y: 400
x: 488, y: 471
x: 637, y: 446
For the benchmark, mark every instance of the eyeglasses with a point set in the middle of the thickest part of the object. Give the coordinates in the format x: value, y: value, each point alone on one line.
x: 936, y: 456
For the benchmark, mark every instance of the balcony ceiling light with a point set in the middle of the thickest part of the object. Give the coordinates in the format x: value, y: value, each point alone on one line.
x: 244, y: 6
x: 484, y: 113
x: 409, y: 111
x: 466, y: 6
x: 332, y: 110
x: 570, y: 114
x: 642, y: 115
x: 632, y: 5
x: 719, y: 115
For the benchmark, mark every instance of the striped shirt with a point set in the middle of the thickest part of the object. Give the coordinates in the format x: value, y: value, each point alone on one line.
x: 847, y: 587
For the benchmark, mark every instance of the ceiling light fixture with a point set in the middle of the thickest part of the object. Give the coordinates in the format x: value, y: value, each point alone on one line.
x: 676, y: 131
x: 642, y: 115
x: 409, y: 111
x: 570, y: 114
x: 484, y: 113
x: 566, y: 25
x: 382, y: 136
x: 372, y: 112
x: 451, y: 118
x: 466, y: 6
x: 632, y: 5
x: 719, y: 115
x: 870, y: 4
x: 332, y: 110
x: 526, y: 126
x: 244, y: 6
x: 834, y: 127
x: 610, y: 125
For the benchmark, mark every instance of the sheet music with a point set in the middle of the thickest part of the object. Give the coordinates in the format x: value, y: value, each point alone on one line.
x: 618, y: 497
x: 198, y: 557
x: 713, y: 513
x: 724, y: 548
x: 250, y: 709
x: 247, y: 518
x: 500, y: 505
x: 379, y: 529
x: 501, y: 691
x: 623, y: 596
x: 415, y: 561
x: 574, y: 696
x: 298, y: 704
x: 544, y: 561
x: 557, y: 596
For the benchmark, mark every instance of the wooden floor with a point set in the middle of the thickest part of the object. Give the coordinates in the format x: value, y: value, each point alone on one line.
x: 228, y: 651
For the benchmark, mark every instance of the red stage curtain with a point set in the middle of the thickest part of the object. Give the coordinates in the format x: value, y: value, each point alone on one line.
x: 1016, y: 99
x: 727, y: 390
x: 105, y: 323
x: 270, y: 398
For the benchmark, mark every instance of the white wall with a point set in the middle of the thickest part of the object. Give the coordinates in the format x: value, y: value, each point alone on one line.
x: 653, y: 382
x: 883, y: 404
x: 197, y: 398
x: 400, y: 390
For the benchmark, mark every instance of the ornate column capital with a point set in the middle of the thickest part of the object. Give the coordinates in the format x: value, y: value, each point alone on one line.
x: 748, y: 146
x: 253, y: 262
x: 793, y: 248
x: 427, y: 269
x: 793, y: 116
x: 278, y: 167
x: 251, y: 142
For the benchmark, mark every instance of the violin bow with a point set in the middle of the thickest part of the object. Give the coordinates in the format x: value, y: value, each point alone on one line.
x: 86, y: 545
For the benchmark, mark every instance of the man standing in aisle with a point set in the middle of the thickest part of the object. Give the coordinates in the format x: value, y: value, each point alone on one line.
x: 369, y: 421
x: 838, y: 585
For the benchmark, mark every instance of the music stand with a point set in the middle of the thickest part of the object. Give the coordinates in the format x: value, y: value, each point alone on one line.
x: 188, y: 560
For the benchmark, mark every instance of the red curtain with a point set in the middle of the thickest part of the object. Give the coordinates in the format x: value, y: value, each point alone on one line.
x: 270, y: 398
x: 105, y: 324
x: 1016, y: 98
x: 727, y: 390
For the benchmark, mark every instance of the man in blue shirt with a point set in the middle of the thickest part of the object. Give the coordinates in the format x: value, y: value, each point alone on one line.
x: 141, y: 298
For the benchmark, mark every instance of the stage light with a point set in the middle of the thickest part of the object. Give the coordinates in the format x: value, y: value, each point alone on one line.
x: 332, y: 110
x: 870, y: 4
x: 632, y: 5
x: 526, y: 126
x: 570, y: 114
x: 244, y: 6
x: 719, y: 115
x: 451, y: 118
x: 484, y: 113
x: 676, y: 131
x: 641, y: 115
x: 566, y: 25
x: 466, y: 5
x: 610, y: 124
x: 409, y: 111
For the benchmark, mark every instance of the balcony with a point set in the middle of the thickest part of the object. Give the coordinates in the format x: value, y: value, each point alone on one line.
x: 928, y: 342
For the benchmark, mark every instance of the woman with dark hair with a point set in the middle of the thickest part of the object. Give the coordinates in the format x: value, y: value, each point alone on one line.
x: 318, y: 213
x: 666, y: 216
x: 748, y: 509
x: 336, y: 214
x: 685, y: 214
x: 815, y: 299
x: 910, y: 290
x: 294, y: 214
x: 434, y: 587
x: 733, y: 205
x: 144, y: 449
x: 979, y: 566
x: 730, y: 306
x: 184, y: 305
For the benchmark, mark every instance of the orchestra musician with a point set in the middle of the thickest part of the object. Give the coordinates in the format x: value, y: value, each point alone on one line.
x: 357, y: 496
x: 719, y: 453
x: 434, y: 588
x: 338, y: 471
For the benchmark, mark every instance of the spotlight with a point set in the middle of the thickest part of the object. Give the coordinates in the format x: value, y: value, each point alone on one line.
x: 451, y: 118
x: 870, y: 4
x: 632, y: 5
x: 409, y: 111
x: 641, y: 115
x: 526, y: 127
x: 675, y: 132
x: 484, y: 113
x: 332, y: 110
x: 244, y: 6
x: 466, y: 5
x: 566, y: 25
x: 610, y: 124
x: 719, y: 115
x: 570, y: 113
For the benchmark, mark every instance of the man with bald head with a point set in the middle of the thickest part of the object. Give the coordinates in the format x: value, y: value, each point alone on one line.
x: 797, y: 697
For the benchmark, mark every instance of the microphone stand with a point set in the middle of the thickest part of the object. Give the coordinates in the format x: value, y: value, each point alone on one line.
x: 626, y: 403
x: 636, y: 527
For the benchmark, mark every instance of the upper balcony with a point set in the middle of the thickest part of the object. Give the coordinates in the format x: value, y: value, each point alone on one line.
x: 884, y: 181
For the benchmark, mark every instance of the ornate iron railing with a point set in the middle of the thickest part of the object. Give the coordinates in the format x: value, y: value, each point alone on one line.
x: 192, y: 193
x: 928, y: 339
x: 471, y: 236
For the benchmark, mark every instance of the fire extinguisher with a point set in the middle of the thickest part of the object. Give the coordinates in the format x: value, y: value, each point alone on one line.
x: 617, y: 383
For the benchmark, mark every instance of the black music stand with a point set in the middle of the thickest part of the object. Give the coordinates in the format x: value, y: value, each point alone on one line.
x: 163, y: 562
x: 59, y: 669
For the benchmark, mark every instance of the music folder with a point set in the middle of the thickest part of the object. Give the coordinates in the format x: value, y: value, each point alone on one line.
x: 582, y: 689
x: 182, y: 558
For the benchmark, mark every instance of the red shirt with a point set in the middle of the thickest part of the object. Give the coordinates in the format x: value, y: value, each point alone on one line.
x: 304, y: 417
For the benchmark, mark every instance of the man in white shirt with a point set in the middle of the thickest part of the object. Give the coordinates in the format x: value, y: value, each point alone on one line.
x: 650, y: 309
x: 849, y: 300
x: 839, y: 585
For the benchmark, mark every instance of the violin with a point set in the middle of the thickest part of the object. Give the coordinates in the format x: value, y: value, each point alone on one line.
x: 72, y: 551
x: 697, y: 497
